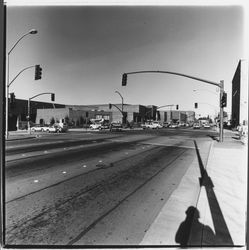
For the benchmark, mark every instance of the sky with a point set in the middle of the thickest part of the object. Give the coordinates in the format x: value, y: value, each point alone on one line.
x: 84, y: 50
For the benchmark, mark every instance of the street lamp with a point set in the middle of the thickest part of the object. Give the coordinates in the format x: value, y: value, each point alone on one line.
x: 122, y: 107
x: 32, y: 31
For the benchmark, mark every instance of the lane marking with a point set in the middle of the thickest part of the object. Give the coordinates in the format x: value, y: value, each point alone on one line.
x: 35, y: 181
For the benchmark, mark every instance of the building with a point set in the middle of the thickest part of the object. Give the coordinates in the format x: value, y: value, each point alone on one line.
x: 18, y: 111
x: 239, y: 114
x: 70, y: 116
x: 79, y: 115
x: 177, y: 116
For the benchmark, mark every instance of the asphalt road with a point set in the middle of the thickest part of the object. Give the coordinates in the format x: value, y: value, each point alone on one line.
x: 93, y: 188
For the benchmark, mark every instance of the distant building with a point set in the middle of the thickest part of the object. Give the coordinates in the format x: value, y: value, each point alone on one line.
x: 78, y: 115
x: 18, y: 111
x: 179, y: 116
x: 70, y: 116
x: 239, y: 114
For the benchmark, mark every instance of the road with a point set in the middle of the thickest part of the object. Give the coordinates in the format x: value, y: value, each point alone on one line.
x: 94, y: 188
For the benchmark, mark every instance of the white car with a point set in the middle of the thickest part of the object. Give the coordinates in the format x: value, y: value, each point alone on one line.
x: 45, y: 128
x: 95, y: 126
x: 153, y: 125
x: 53, y: 129
x: 173, y: 125
x: 206, y: 125
x: 196, y: 126
x: 36, y: 128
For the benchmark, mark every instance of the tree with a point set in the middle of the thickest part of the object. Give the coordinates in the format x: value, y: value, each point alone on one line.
x: 67, y: 120
x: 52, y: 121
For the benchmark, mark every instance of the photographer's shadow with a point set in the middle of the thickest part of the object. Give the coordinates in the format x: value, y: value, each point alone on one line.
x: 191, y: 231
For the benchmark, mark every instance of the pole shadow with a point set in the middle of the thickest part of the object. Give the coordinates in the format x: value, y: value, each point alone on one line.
x: 193, y: 233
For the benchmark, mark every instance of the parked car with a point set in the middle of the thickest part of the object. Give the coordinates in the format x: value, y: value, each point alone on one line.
x: 115, y: 126
x: 152, y: 125
x: 36, y: 128
x: 196, y: 126
x: 206, y: 125
x: 58, y: 128
x: 104, y: 126
x: 95, y: 126
x: 45, y: 128
x: 173, y: 125
x: 166, y: 124
x: 53, y: 129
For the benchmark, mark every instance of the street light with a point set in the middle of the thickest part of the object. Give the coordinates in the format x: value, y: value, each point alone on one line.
x: 32, y: 31
x: 122, y: 107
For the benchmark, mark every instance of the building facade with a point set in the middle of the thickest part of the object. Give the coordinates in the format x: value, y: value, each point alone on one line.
x: 239, y: 114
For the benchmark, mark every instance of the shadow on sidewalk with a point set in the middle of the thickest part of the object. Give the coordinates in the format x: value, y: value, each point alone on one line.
x: 193, y: 233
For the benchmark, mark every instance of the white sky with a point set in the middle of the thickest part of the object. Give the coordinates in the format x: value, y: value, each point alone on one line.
x: 84, y: 51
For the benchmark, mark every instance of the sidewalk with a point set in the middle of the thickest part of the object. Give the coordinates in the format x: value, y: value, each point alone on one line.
x: 20, y: 135
x: 209, y: 206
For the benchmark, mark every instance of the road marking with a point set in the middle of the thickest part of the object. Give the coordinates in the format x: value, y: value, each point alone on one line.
x: 35, y: 181
x: 100, y: 160
x: 23, y: 155
x: 84, y: 166
x: 64, y: 172
x: 45, y: 151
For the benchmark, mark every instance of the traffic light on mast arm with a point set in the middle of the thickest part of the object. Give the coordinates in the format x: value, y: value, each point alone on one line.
x: 12, y: 98
x: 38, y: 72
x: 124, y: 79
x: 224, y: 100
x: 110, y: 106
x: 52, y: 97
x: 177, y: 106
x: 196, y: 105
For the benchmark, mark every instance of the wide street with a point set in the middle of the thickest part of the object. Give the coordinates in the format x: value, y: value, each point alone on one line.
x: 94, y: 187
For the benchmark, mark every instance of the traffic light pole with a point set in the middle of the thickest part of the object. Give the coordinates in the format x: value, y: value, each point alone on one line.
x: 7, y: 95
x: 221, y: 110
x: 220, y: 85
x: 29, y: 130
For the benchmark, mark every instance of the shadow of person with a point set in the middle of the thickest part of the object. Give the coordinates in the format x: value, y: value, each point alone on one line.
x: 193, y: 233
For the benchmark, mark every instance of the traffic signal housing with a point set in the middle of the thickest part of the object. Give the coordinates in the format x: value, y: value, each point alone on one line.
x: 12, y: 98
x: 224, y: 100
x: 38, y: 72
x: 124, y: 79
x: 110, y: 105
x: 52, y: 97
x: 196, y: 105
x: 177, y: 106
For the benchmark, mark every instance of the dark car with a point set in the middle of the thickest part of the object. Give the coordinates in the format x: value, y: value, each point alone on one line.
x: 115, y: 126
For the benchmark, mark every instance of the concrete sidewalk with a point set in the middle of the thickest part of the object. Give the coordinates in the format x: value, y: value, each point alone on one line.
x: 209, y: 206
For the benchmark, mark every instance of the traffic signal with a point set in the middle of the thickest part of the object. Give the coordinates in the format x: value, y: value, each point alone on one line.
x: 196, y: 105
x: 52, y: 97
x: 110, y: 105
x: 124, y: 79
x: 224, y: 100
x: 38, y: 72
x: 12, y: 98
x: 177, y: 106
